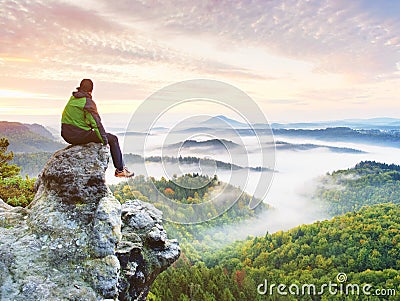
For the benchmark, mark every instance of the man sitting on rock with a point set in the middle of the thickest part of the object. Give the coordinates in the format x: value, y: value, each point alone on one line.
x: 81, y: 124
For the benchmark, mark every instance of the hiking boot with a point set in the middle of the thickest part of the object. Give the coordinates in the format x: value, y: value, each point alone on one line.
x: 125, y: 173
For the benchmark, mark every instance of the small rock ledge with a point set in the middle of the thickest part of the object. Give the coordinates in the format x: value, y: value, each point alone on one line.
x: 76, y: 241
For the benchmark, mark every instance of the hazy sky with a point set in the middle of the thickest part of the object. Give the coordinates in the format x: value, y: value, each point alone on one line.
x: 299, y: 60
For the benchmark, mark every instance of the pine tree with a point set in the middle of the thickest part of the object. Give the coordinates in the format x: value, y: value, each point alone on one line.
x: 7, y: 170
x: 13, y: 189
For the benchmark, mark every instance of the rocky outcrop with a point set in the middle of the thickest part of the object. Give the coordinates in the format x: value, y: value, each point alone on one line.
x: 76, y: 241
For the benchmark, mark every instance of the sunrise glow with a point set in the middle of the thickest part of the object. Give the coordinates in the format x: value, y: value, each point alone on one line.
x: 306, y: 61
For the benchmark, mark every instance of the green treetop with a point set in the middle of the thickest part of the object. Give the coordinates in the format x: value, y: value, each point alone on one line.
x: 7, y: 170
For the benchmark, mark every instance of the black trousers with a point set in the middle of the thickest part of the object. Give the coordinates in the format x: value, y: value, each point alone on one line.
x: 90, y: 136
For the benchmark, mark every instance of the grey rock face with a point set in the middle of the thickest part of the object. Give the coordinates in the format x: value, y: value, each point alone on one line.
x: 75, y: 241
x: 144, y: 251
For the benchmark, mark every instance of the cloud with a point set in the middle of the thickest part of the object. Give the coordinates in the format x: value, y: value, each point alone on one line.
x: 62, y: 39
x: 286, y: 102
x: 339, y: 36
x: 44, y: 25
x: 283, y: 53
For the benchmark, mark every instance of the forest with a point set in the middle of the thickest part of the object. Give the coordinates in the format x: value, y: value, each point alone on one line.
x: 362, y: 240
x: 367, y: 183
x: 364, y: 245
x: 194, y: 239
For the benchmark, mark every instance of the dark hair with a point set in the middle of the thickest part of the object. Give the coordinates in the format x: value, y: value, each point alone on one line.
x: 86, y: 85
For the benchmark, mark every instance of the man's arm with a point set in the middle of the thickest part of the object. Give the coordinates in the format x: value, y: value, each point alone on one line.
x: 90, y: 106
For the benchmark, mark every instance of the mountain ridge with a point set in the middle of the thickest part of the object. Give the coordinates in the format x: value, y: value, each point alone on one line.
x: 28, y: 137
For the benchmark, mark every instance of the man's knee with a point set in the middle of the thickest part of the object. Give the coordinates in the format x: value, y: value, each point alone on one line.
x: 112, y: 138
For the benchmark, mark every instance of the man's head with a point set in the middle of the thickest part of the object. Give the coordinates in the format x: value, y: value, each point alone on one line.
x: 85, y: 86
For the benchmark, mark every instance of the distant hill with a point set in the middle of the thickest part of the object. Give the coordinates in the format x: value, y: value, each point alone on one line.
x: 382, y: 123
x: 31, y: 163
x: 212, y: 143
x: 282, y: 145
x: 28, y: 137
x: 344, y: 134
x: 137, y: 159
x: 221, y: 120
x: 39, y: 129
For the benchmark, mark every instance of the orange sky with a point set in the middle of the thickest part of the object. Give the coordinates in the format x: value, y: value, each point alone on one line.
x: 299, y: 60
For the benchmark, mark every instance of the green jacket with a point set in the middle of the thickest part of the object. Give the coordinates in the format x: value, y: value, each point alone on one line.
x: 80, y: 114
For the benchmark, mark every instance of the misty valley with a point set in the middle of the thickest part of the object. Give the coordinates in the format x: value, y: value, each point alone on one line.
x: 330, y: 204
x: 237, y: 150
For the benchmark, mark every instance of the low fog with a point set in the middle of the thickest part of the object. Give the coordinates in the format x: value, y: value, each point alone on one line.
x: 296, y: 177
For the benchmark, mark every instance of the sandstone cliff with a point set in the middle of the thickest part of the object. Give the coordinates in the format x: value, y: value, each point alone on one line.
x: 75, y: 241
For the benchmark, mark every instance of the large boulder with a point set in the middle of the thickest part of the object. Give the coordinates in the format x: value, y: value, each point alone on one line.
x: 75, y: 241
